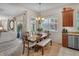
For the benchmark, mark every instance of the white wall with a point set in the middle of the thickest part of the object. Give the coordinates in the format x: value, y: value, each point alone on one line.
x: 57, y: 36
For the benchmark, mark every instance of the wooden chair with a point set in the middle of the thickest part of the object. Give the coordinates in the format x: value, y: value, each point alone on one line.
x: 27, y: 44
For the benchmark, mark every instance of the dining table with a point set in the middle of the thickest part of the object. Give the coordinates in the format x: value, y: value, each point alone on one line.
x: 33, y: 38
x: 36, y: 38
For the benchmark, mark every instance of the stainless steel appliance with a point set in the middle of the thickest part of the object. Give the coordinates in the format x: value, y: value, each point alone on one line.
x: 73, y: 41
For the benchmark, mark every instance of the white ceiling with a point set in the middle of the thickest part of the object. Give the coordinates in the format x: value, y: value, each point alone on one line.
x: 13, y: 9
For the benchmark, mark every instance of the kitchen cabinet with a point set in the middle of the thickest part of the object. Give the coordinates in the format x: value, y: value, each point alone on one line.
x: 73, y: 41
x: 64, y: 40
x: 67, y: 17
x: 70, y: 40
x: 76, y: 42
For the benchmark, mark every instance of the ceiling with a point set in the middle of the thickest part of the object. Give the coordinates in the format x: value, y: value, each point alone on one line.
x: 13, y: 9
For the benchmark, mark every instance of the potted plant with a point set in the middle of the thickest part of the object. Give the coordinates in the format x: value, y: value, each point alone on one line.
x: 64, y: 30
x: 39, y: 29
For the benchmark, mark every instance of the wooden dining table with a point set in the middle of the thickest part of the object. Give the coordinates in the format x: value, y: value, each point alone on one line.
x: 36, y: 38
x: 33, y: 38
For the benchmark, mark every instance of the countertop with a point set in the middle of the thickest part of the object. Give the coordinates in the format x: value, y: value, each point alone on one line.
x: 72, y: 33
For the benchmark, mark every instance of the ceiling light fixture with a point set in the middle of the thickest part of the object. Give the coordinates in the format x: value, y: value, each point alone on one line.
x: 38, y: 18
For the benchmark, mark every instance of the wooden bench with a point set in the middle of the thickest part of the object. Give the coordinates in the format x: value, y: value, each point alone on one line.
x: 43, y: 43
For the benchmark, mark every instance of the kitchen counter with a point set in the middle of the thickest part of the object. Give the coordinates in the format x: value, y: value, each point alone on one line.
x: 72, y: 33
x: 71, y: 40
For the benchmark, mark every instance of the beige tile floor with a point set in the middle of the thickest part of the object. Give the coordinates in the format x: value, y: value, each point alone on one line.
x: 68, y: 52
x: 54, y: 50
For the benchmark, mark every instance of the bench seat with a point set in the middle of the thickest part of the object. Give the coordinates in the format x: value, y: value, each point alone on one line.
x: 44, y: 42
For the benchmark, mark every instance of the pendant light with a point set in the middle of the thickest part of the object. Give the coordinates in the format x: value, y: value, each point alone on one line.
x: 39, y: 18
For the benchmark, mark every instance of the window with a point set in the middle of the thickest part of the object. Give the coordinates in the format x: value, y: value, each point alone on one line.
x: 33, y: 25
x: 49, y: 24
x: 3, y: 22
x: 77, y: 22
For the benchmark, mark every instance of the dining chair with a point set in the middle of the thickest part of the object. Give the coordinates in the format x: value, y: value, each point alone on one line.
x: 27, y: 44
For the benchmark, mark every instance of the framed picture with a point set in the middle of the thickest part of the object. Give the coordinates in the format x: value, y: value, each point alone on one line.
x: 11, y: 25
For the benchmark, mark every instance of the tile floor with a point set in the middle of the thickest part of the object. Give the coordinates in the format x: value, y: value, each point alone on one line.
x: 54, y: 50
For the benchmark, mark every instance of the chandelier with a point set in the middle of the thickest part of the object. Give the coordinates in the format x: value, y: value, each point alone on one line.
x: 38, y: 18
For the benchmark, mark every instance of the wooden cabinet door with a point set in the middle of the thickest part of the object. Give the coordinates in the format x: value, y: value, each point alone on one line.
x: 65, y: 19
x: 71, y: 18
x: 65, y: 40
x: 68, y: 18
